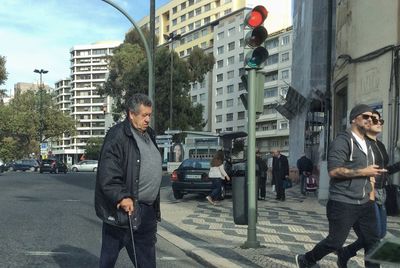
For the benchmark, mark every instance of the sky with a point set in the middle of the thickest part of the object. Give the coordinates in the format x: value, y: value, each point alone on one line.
x: 38, y: 34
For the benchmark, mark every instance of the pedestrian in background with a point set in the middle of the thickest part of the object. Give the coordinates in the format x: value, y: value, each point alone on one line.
x: 262, y: 176
x: 280, y: 172
x: 381, y: 158
x: 128, y: 182
x: 216, y: 174
x: 305, y: 167
x: 350, y: 166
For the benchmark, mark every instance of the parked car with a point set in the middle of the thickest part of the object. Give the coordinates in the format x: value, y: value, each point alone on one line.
x: 53, y: 166
x: 192, y: 177
x: 24, y: 165
x: 85, y: 165
x: 2, y: 166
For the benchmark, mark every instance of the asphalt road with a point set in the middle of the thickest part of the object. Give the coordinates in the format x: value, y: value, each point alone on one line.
x: 48, y: 220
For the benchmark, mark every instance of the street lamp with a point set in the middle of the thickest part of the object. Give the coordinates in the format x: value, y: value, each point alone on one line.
x: 40, y: 72
x: 171, y: 37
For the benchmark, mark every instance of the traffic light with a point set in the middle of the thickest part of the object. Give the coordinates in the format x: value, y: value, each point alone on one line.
x: 259, y: 90
x: 256, y: 53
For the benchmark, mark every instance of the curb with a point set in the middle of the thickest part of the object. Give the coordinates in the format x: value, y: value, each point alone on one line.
x: 203, y: 256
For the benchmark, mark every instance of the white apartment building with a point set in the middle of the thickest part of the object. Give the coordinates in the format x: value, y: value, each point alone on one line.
x: 88, y: 71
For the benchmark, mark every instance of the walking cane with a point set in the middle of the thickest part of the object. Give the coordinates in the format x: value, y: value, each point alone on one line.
x: 131, y: 226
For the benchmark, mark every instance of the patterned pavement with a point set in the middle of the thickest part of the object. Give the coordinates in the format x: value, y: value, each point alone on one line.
x: 284, y: 229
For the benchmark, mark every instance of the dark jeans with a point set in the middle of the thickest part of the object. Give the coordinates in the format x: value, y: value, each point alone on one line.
x: 303, y: 179
x: 216, y: 188
x: 115, y: 238
x: 342, y: 217
x: 262, y: 184
x: 280, y: 191
x: 380, y: 212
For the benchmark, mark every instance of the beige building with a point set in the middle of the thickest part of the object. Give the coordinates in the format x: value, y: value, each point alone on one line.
x: 217, y: 27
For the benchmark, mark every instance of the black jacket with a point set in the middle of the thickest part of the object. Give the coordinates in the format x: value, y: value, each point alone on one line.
x: 304, y: 164
x: 280, y: 168
x: 118, y: 174
x: 346, y: 152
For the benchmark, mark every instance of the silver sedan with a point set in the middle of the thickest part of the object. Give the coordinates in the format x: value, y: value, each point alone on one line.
x: 85, y: 165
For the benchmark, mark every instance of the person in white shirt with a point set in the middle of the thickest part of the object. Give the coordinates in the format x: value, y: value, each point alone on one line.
x: 217, y: 173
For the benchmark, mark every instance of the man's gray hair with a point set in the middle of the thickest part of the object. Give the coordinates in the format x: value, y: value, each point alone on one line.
x: 135, y: 101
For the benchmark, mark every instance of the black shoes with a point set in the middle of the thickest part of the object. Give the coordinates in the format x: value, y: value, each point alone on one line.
x: 301, y: 262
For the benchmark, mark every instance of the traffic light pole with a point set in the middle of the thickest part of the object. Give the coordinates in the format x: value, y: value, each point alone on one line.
x: 149, y: 58
x: 251, y: 165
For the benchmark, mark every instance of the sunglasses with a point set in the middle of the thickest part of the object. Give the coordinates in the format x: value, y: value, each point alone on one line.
x: 376, y: 121
x: 367, y: 116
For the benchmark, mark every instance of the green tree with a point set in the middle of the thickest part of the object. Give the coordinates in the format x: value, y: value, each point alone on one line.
x: 3, y: 72
x: 93, y: 147
x: 129, y: 75
x: 20, y: 123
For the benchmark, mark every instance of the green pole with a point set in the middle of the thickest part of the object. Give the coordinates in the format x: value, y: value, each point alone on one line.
x: 148, y: 54
x: 251, y: 165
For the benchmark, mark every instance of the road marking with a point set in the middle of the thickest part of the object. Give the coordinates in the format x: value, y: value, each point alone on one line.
x: 45, y: 253
x: 167, y: 258
x: 70, y: 200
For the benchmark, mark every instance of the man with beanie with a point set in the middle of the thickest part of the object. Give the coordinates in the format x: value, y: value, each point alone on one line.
x: 350, y: 167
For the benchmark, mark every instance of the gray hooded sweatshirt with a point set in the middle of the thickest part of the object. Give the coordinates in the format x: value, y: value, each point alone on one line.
x: 346, y: 152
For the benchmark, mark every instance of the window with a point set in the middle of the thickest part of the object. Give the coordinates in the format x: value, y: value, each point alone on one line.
x: 220, y: 63
x: 241, y: 42
x: 229, y: 103
x: 271, y: 76
x: 197, y: 24
x: 220, y: 77
x: 218, y: 118
x: 285, y: 57
x: 229, y: 129
x: 285, y: 40
x: 202, y: 97
x: 183, y: 5
x: 270, y: 92
x: 207, y: 7
x: 220, y: 35
x: 272, y: 59
x: 203, y: 83
x: 269, y: 109
x: 242, y: 71
x: 191, y: 14
x: 198, y: 11
x: 228, y: 11
x: 218, y: 105
x: 189, y: 50
x: 195, y: 86
x: 174, y: 10
x: 231, y: 60
x: 183, y: 30
x: 240, y: 115
x: 174, y: 21
x: 230, y: 74
x: 231, y: 46
x: 191, y: 26
x: 272, y: 43
x: 241, y: 57
x: 283, y: 125
x: 183, y: 17
x: 285, y: 74
x: 231, y: 31
x: 204, y: 32
x: 284, y: 91
x: 229, y: 117
x: 218, y: 130
x: 230, y: 89
x: 195, y: 35
x: 219, y: 91
x: 241, y: 86
x: 182, y: 53
x: 240, y: 128
x: 220, y: 50
x: 194, y: 98
x: 207, y: 20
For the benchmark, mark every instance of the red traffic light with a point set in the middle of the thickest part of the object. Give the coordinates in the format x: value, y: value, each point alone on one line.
x: 256, y: 16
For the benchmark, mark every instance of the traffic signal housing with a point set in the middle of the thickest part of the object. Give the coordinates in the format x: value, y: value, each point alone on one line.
x: 259, y: 91
x: 256, y: 54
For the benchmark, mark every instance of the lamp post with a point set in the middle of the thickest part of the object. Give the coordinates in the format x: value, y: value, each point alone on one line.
x: 40, y: 72
x: 171, y: 38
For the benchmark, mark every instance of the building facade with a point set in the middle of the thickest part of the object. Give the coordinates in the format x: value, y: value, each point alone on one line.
x: 217, y: 27
x: 87, y: 108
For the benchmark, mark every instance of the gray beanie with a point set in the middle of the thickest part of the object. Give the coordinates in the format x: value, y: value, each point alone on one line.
x: 359, y: 109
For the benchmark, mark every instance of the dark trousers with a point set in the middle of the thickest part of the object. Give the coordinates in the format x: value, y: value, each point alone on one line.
x: 351, y: 250
x: 262, y: 187
x: 280, y: 190
x: 115, y: 238
x: 303, y: 179
x: 342, y: 217
x: 216, y: 188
